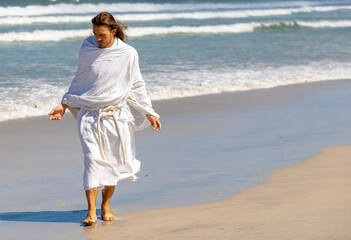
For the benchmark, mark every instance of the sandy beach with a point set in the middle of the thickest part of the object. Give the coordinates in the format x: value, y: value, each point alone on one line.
x: 308, y: 201
x: 206, y: 175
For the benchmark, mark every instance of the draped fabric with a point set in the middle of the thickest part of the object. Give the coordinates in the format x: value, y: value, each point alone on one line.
x: 108, y: 77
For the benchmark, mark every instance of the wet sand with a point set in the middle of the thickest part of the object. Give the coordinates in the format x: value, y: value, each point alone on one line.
x: 308, y: 201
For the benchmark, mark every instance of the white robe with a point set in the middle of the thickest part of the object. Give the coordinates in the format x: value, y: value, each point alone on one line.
x: 108, y: 77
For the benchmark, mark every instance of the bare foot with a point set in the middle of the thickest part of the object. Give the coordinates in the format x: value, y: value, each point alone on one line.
x: 91, y: 217
x: 106, y: 215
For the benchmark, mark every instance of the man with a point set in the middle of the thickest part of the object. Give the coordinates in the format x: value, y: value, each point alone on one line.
x: 109, y: 100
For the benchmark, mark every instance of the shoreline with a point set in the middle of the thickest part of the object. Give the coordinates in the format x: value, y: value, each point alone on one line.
x: 198, y: 98
x: 306, y: 201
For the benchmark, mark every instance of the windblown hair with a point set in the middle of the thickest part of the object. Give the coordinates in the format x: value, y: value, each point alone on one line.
x: 106, y: 19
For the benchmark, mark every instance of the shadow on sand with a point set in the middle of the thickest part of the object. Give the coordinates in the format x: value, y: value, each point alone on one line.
x: 75, y: 216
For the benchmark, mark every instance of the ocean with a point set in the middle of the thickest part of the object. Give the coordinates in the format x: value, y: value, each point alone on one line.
x: 186, y: 48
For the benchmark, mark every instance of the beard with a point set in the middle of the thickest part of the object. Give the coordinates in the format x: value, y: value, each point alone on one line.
x: 104, y: 44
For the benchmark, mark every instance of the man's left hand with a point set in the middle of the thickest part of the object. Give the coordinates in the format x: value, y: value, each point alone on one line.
x: 155, y: 123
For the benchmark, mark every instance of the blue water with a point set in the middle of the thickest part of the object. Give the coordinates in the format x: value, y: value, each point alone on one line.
x: 186, y: 47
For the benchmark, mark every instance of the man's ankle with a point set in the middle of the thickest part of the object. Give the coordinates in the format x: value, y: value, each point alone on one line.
x: 105, y: 208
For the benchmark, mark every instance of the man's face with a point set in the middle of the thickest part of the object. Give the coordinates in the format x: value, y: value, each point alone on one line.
x: 104, y: 36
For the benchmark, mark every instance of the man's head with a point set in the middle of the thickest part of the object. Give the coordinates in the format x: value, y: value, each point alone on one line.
x: 104, y: 36
x: 105, y: 28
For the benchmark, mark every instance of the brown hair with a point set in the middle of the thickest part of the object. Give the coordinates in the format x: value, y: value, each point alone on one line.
x: 106, y: 19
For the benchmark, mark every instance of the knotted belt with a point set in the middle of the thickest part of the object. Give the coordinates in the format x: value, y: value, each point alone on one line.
x: 109, y: 111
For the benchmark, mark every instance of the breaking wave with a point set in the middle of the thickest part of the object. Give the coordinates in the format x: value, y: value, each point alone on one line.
x: 64, y: 8
x: 26, y: 20
x: 58, y: 35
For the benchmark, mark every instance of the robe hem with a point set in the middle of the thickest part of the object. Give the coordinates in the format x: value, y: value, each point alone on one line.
x: 132, y: 177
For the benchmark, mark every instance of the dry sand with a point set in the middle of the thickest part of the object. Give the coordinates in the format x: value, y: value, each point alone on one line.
x: 307, y: 201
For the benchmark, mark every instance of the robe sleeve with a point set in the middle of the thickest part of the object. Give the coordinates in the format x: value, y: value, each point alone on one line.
x: 138, y: 99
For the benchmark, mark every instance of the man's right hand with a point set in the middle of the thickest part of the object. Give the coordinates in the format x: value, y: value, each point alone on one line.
x: 58, y: 112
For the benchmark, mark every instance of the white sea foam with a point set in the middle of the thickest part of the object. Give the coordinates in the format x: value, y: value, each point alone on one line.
x: 58, y: 35
x: 325, y: 24
x: 230, y: 28
x: 29, y: 101
x: 44, y: 35
x: 46, y: 19
x: 62, y: 8
x: 26, y: 20
x: 36, y: 101
x: 200, y: 82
